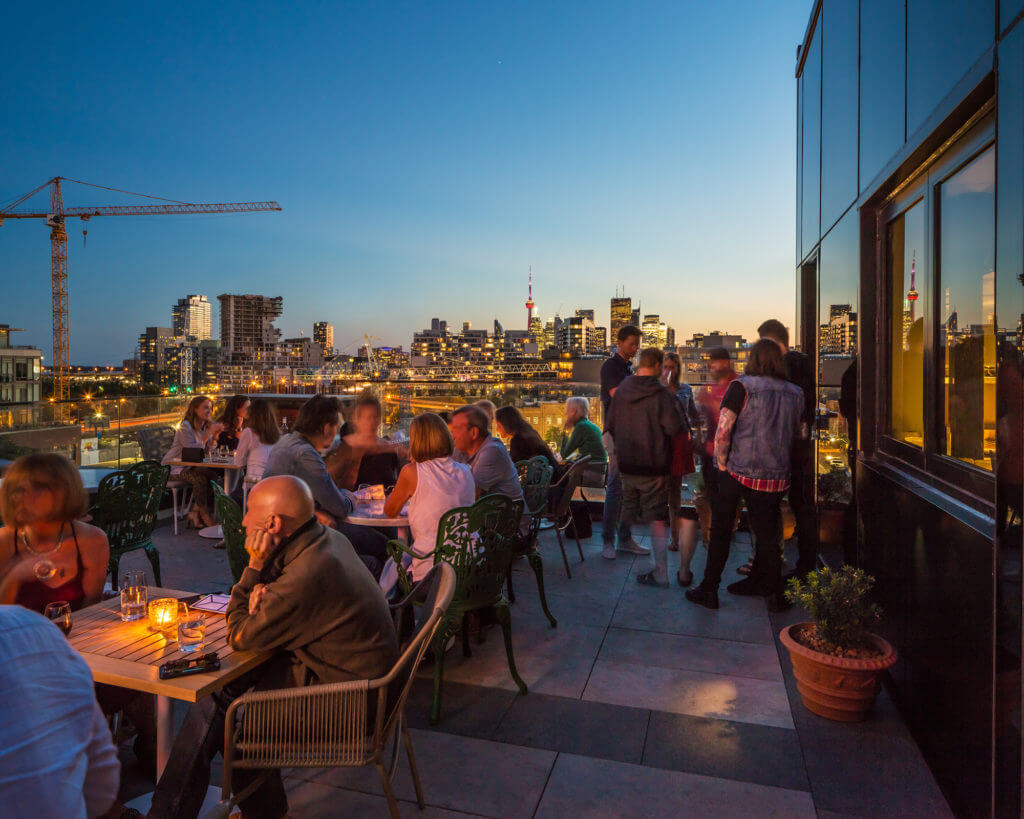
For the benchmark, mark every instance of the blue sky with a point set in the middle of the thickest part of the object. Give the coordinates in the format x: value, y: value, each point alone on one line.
x: 425, y: 154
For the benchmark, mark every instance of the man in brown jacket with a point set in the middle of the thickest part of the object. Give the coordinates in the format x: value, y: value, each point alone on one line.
x: 308, y: 598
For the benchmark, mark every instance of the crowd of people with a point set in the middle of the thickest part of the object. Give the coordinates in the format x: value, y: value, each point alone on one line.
x: 747, y: 432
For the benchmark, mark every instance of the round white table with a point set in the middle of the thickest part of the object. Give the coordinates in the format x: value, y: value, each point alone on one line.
x: 363, y: 516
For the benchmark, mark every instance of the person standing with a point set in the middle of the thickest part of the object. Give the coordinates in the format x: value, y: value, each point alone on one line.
x: 613, y: 372
x: 709, y: 404
x: 801, y: 488
x: 642, y: 420
x: 682, y: 530
x: 757, y: 428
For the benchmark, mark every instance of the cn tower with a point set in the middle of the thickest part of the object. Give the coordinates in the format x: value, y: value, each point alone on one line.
x: 529, y: 301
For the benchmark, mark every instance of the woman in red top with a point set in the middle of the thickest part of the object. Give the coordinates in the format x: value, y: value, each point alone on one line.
x: 46, y: 554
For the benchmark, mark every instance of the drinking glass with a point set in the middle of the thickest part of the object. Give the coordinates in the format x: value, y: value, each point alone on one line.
x: 134, y: 596
x: 192, y: 633
x: 60, y: 615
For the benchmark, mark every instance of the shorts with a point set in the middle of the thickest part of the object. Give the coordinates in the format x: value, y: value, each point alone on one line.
x: 645, y: 498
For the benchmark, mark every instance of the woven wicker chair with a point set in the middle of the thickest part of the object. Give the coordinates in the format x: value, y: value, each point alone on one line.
x: 324, y: 726
x: 558, y: 512
x: 231, y: 527
x: 535, y: 478
x: 126, y: 507
x: 477, y: 542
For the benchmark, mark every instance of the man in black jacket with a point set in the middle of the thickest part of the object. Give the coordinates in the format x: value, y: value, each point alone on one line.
x: 799, y: 371
x: 643, y: 417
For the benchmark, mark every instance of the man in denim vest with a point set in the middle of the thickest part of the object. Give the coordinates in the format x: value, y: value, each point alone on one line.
x: 759, y: 423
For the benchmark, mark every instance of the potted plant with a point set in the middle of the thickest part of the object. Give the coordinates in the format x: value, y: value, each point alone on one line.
x: 837, y: 660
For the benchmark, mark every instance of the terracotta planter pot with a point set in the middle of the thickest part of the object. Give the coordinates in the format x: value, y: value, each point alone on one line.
x: 838, y: 688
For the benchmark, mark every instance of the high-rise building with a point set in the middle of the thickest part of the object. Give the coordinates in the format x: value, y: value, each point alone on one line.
x: 601, y: 334
x: 536, y: 330
x: 153, y: 346
x: 529, y: 300
x: 621, y: 315
x: 323, y: 336
x: 577, y: 335
x: 587, y: 314
x: 192, y: 318
x: 247, y: 331
x: 654, y: 332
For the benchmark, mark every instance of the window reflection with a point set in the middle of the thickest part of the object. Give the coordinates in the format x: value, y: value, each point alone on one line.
x: 909, y: 298
x: 966, y: 329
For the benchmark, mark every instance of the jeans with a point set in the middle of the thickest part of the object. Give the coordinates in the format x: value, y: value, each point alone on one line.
x: 368, y: 543
x: 613, y: 500
x: 765, y: 518
x: 182, y: 788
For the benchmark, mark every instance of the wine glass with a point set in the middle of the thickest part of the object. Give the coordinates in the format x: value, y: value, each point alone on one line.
x: 60, y: 615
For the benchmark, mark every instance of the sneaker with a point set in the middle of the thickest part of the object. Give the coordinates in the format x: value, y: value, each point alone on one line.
x: 633, y: 547
x: 703, y: 597
x: 648, y: 579
x: 608, y: 553
x: 748, y: 588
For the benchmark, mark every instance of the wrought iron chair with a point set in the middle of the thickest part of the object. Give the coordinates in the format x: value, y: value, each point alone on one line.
x: 126, y: 507
x: 322, y: 726
x: 477, y: 541
x: 231, y: 526
x: 154, y: 443
x: 535, y: 478
x: 558, y: 512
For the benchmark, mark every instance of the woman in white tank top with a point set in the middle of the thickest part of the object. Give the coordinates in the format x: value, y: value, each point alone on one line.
x: 433, y: 483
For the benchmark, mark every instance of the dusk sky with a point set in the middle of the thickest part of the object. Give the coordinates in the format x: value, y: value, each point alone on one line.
x: 425, y: 155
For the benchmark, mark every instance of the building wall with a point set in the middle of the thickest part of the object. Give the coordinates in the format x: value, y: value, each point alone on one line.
x: 910, y: 155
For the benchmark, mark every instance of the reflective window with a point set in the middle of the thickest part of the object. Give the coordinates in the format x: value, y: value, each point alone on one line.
x: 1008, y: 10
x: 811, y: 213
x: 967, y: 209
x: 909, y: 299
x: 944, y: 39
x: 882, y: 84
x: 838, y: 109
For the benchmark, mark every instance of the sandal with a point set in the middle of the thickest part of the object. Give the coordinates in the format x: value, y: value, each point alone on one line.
x: 679, y: 579
x: 647, y: 579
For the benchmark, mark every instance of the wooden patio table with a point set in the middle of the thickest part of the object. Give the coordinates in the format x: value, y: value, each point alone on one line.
x: 129, y: 655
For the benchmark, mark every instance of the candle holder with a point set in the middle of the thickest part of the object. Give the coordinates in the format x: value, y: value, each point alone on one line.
x: 163, y: 614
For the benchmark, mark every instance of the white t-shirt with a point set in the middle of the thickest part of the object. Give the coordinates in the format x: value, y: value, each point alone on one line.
x: 441, y: 484
x: 252, y: 453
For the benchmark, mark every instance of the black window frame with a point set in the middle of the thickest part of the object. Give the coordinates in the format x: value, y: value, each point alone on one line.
x: 955, y: 477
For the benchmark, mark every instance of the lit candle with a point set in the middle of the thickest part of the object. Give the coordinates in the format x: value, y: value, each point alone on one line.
x: 163, y: 614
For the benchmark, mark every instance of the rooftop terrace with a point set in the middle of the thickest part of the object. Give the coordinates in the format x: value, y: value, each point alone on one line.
x: 640, y: 704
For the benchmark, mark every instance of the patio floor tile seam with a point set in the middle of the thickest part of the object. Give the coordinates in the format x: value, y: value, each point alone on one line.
x: 402, y: 803
x: 700, y: 637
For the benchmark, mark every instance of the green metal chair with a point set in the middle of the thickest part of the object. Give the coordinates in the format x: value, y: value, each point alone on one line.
x: 558, y: 512
x: 127, y: 502
x: 231, y: 526
x: 535, y: 477
x: 477, y: 542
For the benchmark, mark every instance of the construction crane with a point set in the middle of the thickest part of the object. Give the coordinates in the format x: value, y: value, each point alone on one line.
x: 56, y: 218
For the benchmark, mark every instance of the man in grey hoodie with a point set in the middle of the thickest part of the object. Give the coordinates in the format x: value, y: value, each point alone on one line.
x: 642, y: 419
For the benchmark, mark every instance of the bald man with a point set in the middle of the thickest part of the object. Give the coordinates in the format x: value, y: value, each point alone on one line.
x: 308, y: 598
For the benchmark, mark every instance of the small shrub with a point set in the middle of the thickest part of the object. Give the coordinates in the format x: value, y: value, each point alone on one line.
x: 837, y: 601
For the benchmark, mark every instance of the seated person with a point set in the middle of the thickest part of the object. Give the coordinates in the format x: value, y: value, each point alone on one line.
x: 493, y: 470
x: 254, y: 444
x: 233, y: 419
x: 585, y: 438
x: 304, y: 595
x: 196, y: 431
x: 56, y: 756
x: 41, y: 497
x: 433, y: 482
x: 363, y: 456
x: 524, y: 441
x: 298, y: 454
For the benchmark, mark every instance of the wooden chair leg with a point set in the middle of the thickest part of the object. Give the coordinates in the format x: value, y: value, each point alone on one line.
x: 561, y: 545
x: 407, y: 739
x: 388, y: 792
x: 537, y: 564
x: 505, y: 618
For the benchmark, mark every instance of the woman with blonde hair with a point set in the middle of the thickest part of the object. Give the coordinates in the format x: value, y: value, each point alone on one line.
x: 433, y: 482
x: 196, y: 431
x: 47, y: 555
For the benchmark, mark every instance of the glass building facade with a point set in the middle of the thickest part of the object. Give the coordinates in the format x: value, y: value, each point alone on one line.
x: 910, y: 294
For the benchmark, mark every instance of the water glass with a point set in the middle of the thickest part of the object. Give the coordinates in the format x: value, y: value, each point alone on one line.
x: 192, y: 633
x: 60, y: 615
x: 134, y: 596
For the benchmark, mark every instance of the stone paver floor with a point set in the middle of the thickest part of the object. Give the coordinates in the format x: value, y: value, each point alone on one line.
x: 640, y: 704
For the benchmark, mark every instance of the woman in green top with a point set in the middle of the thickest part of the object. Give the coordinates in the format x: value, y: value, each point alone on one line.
x: 586, y: 435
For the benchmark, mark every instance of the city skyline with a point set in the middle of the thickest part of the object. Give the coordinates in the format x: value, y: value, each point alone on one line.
x: 429, y: 171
